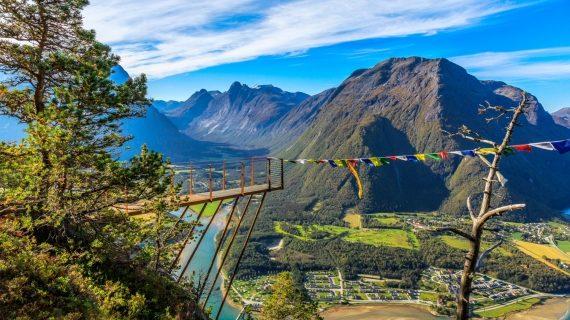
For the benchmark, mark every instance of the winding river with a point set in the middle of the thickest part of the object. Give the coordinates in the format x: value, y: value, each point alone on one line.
x: 203, y: 258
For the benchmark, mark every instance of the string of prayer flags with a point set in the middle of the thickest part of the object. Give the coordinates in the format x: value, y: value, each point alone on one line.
x: 561, y: 146
x: 355, y: 174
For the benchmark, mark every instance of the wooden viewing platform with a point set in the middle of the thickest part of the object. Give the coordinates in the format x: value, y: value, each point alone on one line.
x: 269, y: 178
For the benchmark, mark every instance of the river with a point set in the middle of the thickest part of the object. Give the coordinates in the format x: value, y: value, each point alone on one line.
x: 203, y: 258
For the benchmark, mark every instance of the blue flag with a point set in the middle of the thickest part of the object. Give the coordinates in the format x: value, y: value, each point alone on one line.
x: 412, y: 158
x: 468, y: 153
x: 333, y: 163
x: 367, y: 161
x: 561, y: 146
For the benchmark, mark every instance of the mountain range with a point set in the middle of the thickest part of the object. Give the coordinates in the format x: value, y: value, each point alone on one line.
x: 400, y: 106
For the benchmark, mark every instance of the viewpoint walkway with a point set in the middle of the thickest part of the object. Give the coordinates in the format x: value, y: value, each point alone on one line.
x: 255, y: 176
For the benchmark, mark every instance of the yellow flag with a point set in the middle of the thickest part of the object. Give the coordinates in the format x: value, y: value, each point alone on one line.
x: 357, y: 179
x: 486, y: 151
x: 376, y: 162
x: 421, y: 157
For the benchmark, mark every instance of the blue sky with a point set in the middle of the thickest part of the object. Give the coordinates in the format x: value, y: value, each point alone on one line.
x: 311, y: 45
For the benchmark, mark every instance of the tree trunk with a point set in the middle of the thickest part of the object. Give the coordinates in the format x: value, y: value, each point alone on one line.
x: 467, y: 277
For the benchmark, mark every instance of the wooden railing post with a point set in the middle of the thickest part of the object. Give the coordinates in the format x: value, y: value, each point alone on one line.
x: 211, y: 187
x: 242, y: 178
x: 252, y: 172
x: 224, y: 177
x: 191, y: 168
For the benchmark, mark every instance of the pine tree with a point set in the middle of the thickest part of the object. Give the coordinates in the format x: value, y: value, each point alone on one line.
x: 61, y: 185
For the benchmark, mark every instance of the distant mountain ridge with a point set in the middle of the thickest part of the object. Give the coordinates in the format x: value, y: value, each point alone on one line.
x: 562, y: 117
x: 239, y: 116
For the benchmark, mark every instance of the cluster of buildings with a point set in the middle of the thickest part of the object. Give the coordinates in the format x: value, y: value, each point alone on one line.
x: 496, y: 289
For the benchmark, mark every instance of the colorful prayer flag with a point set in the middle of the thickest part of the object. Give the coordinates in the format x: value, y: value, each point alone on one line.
x: 323, y: 161
x: 353, y: 162
x: 411, y: 158
x: 421, y: 157
x: 508, y: 151
x: 486, y: 151
x: 442, y: 154
x: 433, y: 156
x: 561, y: 146
x: 468, y: 153
x: 355, y: 174
x: 403, y: 158
x: 456, y: 152
x: 392, y: 158
x: 376, y: 161
x: 332, y: 163
x: 543, y: 145
x: 523, y: 147
x: 367, y: 161
x: 384, y: 160
x: 341, y: 162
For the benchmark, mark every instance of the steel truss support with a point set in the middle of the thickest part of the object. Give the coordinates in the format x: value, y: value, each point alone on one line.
x: 227, y: 253
x: 199, y: 242
x: 240, y: 256
x: 188, y: 236
x: 219, y: 246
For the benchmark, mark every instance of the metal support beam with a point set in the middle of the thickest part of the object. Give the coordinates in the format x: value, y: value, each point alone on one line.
x: 218, y: 247
x: 198, y: 244
x: 240, y: 256
x: 227, y: 253
x: 188, y: 236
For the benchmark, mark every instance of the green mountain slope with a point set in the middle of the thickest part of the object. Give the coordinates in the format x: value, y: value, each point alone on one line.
x: 400, y: 107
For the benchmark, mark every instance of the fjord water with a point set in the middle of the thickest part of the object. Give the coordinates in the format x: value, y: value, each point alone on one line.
x: 203, y: 258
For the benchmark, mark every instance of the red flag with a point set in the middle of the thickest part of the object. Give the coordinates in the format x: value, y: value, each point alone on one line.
x: 323, y: 161
x: 523, y: 147
x: 443, y: 154
x: 392, y: 158
x: 353, y: 162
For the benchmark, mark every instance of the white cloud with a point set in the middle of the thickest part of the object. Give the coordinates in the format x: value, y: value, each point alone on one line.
x: 162, y: 38
x: 538, y: 64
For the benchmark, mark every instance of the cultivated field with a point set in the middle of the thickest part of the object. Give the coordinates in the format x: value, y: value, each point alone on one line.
x: 564, y: 246
x: 375, y: 237
x: 538, y: 250
x: 210, y: 208
x: 354, y: 220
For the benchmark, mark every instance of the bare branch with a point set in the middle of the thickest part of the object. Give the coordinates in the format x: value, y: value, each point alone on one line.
x: 485, y: 253
x: 454, y: 230
x: 471, y: 210
x: 498, y: 212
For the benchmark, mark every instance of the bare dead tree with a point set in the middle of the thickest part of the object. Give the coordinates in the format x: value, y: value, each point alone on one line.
x: 474, y: 257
